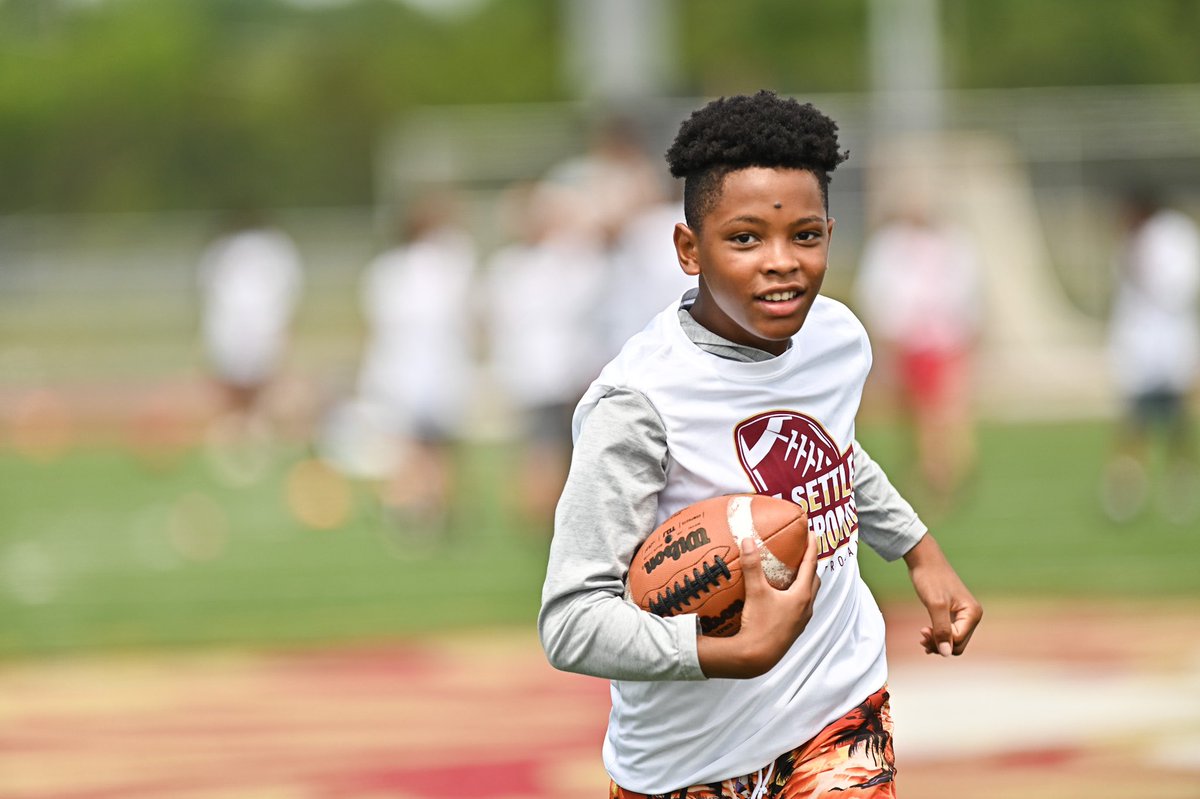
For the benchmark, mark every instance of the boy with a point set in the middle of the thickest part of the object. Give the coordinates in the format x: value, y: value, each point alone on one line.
x: 751, y: 382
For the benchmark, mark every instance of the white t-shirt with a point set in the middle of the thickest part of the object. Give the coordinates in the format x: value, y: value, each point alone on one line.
x: 646, y: 274
x: 782, y: 426
x: 418, y: 304
x: 919, y: 287
x: 1154, y: 342
x: 543, y: 302
x: 251, y: 282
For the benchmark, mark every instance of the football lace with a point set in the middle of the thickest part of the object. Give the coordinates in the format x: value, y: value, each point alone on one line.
x: 701, y: 581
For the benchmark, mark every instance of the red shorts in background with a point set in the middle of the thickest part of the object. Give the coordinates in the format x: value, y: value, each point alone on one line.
x: 931, y: 378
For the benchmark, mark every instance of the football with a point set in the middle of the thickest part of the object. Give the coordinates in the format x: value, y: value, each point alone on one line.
x: 691, y: 562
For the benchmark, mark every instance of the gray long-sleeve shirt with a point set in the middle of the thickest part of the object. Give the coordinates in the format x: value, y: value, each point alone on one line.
x: 609, y: 505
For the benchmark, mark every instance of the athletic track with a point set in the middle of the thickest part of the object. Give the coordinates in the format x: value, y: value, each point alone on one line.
x: 1054, y: 702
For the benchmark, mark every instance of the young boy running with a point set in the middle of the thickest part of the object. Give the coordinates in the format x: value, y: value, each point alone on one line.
x: 749, y: 383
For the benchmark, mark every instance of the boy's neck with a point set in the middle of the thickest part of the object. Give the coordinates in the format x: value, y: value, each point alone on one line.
x: 718, y: 345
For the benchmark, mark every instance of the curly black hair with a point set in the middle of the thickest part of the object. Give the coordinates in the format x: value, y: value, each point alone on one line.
x: 763, y: 130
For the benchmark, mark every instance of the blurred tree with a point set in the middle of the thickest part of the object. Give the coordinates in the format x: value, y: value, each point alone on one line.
x: 1064, y: 42
x: 157, y: 104
x: 788, y: 46
x: 142, y: 104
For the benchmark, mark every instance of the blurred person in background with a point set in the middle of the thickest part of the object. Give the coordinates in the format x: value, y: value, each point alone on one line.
x: 417, y: 371
x: 544, y: 293
x: 615, y: 175
x: 919, y: 290
x: 644, y: 280
x: 1154, y: 348
x: 630, y: 212
x: 250, y: 280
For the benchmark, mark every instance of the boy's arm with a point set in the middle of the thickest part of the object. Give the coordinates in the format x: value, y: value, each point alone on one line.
x: 890, y: 526
x: 953, y: 612
x: 608, y: 506
x: 886, y: 522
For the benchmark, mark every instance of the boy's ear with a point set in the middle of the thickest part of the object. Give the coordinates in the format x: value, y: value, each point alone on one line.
x: 687, y: 249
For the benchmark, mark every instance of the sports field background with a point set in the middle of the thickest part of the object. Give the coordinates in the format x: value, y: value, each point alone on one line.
x: 103, y: 548
x: 174, y: 630
x: 168, y: 635
x: 182, y: 618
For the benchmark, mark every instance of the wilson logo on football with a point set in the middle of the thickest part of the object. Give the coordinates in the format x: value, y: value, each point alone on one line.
x: 677, y: 547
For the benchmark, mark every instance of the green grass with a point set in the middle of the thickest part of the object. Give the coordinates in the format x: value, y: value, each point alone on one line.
x: 1030, y: 524
x: 87, y: 558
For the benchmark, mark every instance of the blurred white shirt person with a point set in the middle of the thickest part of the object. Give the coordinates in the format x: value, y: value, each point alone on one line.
x: 416, y: 300
x: 919, y: 286
x: 919, y: 291
x: 1154, y: 353
x: 615, y: 176
x: 544, y: 305
x: 1154, y: 334
x: 646, y: 276
x: 417, y: 375
x: 250, y: 280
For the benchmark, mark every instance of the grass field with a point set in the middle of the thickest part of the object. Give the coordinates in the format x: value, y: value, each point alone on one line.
x: 100, y: 550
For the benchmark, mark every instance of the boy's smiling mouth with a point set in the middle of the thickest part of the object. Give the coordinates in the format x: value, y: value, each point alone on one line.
x: 781, y: 303
x: 780, y: 296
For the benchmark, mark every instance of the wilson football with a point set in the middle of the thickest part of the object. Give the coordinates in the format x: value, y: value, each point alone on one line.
x: 691, y: 562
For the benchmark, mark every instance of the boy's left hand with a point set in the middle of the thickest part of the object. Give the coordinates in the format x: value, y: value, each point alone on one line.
x: 953, y: 612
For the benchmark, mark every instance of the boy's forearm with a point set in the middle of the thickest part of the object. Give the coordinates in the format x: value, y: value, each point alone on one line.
x: 731, y: 658
x: 607, y: 637
x: 608, y: 505
x: 926, y: 552
x: 954, y: 612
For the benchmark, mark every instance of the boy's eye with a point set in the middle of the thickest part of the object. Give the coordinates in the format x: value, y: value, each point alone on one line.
x: 808, y: 235
x: 742, y: 238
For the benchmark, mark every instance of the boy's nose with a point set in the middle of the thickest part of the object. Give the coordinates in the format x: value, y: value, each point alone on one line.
x: 781, y: 259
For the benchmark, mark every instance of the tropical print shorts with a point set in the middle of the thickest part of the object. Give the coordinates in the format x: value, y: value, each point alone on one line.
x: 852, y: 758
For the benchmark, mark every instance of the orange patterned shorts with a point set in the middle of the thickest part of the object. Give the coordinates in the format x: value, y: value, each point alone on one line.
x: 850, y: 758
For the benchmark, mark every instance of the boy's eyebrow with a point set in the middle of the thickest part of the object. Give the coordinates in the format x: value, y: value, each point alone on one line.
x: 804, y: 220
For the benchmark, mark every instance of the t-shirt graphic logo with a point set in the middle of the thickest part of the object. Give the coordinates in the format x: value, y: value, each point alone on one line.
x: 791, y: 456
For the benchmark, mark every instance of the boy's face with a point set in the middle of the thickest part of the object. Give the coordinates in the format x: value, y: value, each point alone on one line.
x: 761, y: 256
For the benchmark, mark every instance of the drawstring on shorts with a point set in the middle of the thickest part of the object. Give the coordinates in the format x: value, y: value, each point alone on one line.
x: 763, y: 781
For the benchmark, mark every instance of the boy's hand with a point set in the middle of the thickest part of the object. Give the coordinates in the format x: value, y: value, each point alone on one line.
x: 772, y: 619
x: 953, y: 612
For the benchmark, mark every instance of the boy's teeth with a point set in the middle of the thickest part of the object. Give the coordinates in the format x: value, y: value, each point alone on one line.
x: 779, y: 296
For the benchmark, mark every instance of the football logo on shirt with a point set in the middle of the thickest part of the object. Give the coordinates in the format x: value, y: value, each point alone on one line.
x: 791, y: 456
